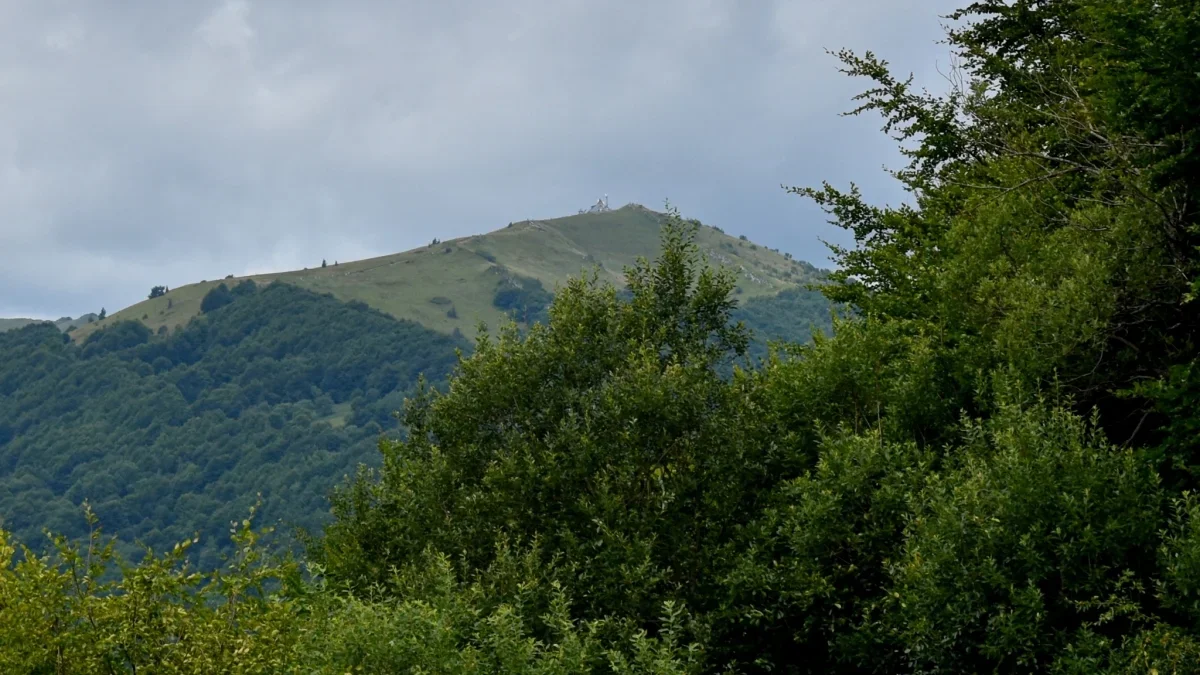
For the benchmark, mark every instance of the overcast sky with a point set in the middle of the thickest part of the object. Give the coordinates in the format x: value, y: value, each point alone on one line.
x: 148, y: 142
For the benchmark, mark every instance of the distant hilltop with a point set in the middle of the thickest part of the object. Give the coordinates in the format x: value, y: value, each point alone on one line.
x: 65, y: 323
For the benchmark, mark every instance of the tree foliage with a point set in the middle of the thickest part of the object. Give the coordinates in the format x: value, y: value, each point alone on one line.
x: 522, y: 298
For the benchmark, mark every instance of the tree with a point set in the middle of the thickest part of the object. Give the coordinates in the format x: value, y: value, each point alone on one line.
x: 590, y: 436
x: 103, y: 313
x: 216, y: 298
x: 157, y: 292
x: 323, y: 265
x: 1054, y: 231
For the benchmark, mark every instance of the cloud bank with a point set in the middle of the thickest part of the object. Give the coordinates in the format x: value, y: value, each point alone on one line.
x: 152, y: 142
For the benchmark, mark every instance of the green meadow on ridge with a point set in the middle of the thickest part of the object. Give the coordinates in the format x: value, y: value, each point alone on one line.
x: 451, y: 285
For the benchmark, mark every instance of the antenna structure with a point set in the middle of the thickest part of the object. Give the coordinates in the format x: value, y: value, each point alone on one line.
x: 600, y: 206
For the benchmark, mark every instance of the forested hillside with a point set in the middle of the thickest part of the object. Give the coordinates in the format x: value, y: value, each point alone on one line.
x: 989, y: 467
x: 279, y: 392
x: 791, y: 316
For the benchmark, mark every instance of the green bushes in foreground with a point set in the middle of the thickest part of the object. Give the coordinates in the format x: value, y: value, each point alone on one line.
x: 83, y: 610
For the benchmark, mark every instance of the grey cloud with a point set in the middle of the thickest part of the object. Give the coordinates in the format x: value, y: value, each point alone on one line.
x: 168, y: 141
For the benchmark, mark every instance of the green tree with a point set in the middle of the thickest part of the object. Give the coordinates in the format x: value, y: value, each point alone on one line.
x: 591, y: 435
x: 216, y: 298
x: 1052, y: 231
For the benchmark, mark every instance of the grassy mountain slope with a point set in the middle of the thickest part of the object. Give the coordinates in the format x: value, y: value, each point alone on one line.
x: 464, y: 274
x: 12, y: 324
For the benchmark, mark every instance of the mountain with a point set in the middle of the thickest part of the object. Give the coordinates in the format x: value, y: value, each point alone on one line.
x: 453, y: 285
x: 170, y: 416
x: 63, y: 324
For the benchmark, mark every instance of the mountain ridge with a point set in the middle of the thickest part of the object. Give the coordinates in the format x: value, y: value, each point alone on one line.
x: 451, y: 286
x: 64, y: 323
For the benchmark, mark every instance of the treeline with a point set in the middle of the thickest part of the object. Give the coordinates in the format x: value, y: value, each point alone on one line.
x: 989, y: 467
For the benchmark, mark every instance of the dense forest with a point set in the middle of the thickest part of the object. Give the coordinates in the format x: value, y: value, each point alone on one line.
x: 274, y: 391
x: 990, y: 466
x: 792, y: 316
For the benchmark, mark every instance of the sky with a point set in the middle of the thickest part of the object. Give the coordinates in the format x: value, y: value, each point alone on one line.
x: 147, y: 142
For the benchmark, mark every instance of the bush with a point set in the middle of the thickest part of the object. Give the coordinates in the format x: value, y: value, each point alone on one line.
x: 84, y: 610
